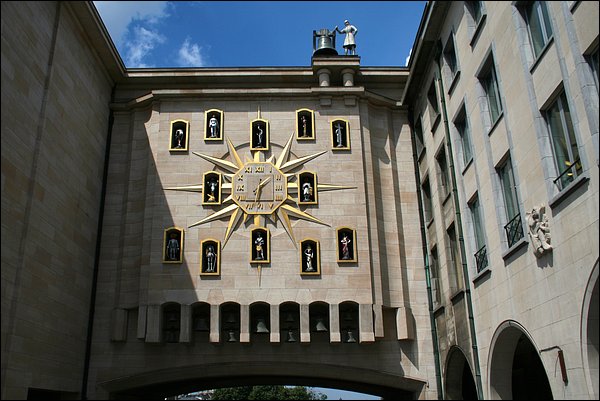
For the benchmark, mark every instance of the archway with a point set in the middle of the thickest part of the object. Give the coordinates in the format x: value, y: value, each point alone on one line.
x: 516, y: 370
x: 460, y: 384
x: 589, y: 333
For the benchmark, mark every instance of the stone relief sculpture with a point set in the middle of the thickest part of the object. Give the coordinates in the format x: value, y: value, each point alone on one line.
x: 539, y: 231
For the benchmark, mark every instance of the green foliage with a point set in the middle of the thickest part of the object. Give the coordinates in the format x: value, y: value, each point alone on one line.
x: 267, y: 393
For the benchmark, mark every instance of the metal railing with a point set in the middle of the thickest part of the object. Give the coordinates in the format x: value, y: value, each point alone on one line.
x: 567, y: 176
x: 481, y: 259
x: 514, y: 230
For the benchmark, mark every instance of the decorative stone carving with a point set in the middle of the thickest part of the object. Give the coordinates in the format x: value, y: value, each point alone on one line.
x: 539, y: 231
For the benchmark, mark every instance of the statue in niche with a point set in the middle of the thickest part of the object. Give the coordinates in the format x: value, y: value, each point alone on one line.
x: 304, y: 126
x: 539, y: 231
x: 259, y: 242
x: 308, y: 257
x: 173, y: 248
x: 212, y: 189
x: 213, y: 125
x: 211, y: 259
x: 345, y: 241
x: 179, y: 138
x: 307, y: 191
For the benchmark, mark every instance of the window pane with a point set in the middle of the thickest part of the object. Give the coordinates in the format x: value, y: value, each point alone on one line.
x: 477, y: 226
x: 574, y: 155
x: 546, y: 19
x: 463, y: 131
x: 509, y: 191
x: 535, y: 28
x: 491, y: 89
x: 419, y: 137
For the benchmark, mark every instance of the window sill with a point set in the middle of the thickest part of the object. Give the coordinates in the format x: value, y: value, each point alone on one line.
x: 467, y: 166
x: 478, y: 30
x: 518, y: 245
x: 435, y: 123
x: 429, y: 223
x: 453, y: 83
x: 566, y: 192
x: 541, y: 56
x: 446, y: 197
x: 421, y: 154
x: 457, y: 296
x: 438, y: 310
x: 493, y: 127
x: 484, y: 273
x: 574, y: 6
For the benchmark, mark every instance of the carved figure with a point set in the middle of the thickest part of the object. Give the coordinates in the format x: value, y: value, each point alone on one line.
x: 259, y: 135
x: 539, y: 231
x: 213, y: 125
x: 212, y: 187
x: 259, y: 242
x: 307, y: 191
x: 179, y: 138
x: 173, y: 248
x: 349, y: 42
x: 345, y: 241
x: 304, y: 125
x: 338, y: 135
x: 309, y: 255
x: 211, y: 258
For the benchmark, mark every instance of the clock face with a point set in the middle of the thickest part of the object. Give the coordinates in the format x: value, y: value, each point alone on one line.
x: 259, y: 188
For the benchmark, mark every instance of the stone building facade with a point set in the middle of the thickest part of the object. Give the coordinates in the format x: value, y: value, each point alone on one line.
x: 452, y: 288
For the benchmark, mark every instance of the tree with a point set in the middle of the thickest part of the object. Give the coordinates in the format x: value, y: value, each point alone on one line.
x: 267, y: 393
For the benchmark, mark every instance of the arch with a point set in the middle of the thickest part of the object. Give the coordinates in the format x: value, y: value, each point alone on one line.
x: 200, y: 321
x: 158, y: 384
x: 171, y: 322
x: 319, y: 321
x: 515, y: 368
x: 349, y: 321
x: 260, y: 321
x: 230, y: 321
x: 459, y: 382
x: 589, y: 333
x: 289, y: 321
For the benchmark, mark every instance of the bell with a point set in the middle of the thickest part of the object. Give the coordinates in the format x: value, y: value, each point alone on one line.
x: 324, y: 43
x: 320, y: 326
x: 200, y: 324
x: 347, y: 315
x: 290, y: 337
x: 290, y: 318
x: 350, y: 338
x: 231, y: 338
x: 172, y: 317
x: 231, y: 318
x: 261, y: 326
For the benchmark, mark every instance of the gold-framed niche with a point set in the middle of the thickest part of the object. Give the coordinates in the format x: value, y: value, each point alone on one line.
x: 310, y: 257
x: 213, y: 125
x: 340, y: 134
x: 173, y: 245
x: 305, y: 125
x: 259, y: 134
x: 179, y: 136
x: 307, y: 188
x: 210, y: 257
x: 260, y: 245
x: 346, y: 244
x: 211, y: 188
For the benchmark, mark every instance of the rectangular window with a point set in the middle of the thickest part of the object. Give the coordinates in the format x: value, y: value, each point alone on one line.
x: 489, y: 81
x: 433, y: 104
x: 481, y: 254
x: 427, y: 206
x: 462, y: 126
x: 450, y: 57
x: 538, y: 25
x: 420, y: 145
x: 434, y: 273
x: 593, y: 61
x: 455, y: 263
x: 474, y: 8
x: 513, y: 228
x: 564, y: 144
x: 444, y: 174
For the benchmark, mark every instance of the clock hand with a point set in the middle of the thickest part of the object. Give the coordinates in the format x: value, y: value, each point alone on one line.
x: 259, y: 187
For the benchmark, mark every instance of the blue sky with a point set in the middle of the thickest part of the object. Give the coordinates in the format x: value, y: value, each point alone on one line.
x: 161, y: 34
x: 255, y: 33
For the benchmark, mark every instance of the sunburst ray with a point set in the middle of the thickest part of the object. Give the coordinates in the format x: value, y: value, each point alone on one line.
x: 331, y: 187
x: 287, y: 225
x: 215, y: 216
x: 224, y: 164
x: 187, y: 188
x: 234, y: 154
x: 292, y: 164
x: 285, y: 152
x: 233, y: 223
x: 302, y: 215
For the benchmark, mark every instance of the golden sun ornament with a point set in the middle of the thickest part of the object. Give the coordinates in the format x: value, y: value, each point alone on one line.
x: 259, y: 188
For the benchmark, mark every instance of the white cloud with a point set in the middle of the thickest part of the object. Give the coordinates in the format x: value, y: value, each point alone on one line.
x: 189, y: 55
x: 144, y: 41
x: 118, y: 15
x: 408, y: 57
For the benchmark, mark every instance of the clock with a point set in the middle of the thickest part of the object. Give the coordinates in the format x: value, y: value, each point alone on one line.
x: 259, y: 188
